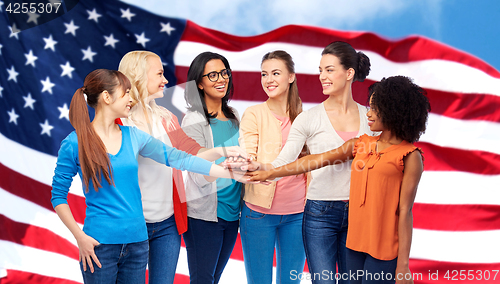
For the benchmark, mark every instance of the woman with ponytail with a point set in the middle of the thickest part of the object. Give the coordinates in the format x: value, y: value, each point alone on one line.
x: 162, y: 188
x: 113, y: 246
x: 322, y: 128
x: 271, y: 218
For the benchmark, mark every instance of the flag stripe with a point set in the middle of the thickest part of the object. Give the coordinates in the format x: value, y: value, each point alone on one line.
x: 408, y: 49
x: 470, y: 217
x: 450, y: 187
x: 24, y: 258
x: 439, y: 158
x: 33, y: 236
x: 456, y: 246
x: 24, y: 187
x: 434, y: 74
x: 18, y: 276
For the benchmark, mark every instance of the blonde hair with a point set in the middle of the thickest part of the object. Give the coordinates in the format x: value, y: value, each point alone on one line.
x: 135, y: 66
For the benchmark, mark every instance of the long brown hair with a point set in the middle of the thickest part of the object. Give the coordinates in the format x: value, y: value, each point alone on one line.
x: 294, y: 103
x: 94, y: 160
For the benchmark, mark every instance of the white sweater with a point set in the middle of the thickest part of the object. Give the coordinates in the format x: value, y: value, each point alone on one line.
x: 314, y: 128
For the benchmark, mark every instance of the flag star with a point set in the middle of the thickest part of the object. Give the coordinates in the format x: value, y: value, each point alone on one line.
x: 13, y: 116
x: 166, y: 28
x: 12, y: 74
x: 29, y: 101
x: 1, y: 4
x: 142, y: 39
x: 88, y: 54
x: 110, y: 40
x: 1, y: 89
x: 50, y: 43
x: 67, y: 69
x: 46, y: 127
x: 14, y: 31
x: 47, y: 85
x: 127, y: 14
x: 64, y: 112
x: 33, y: 17
x: 1, y: 49
x: 93, y: 15
x: 30, y: 58
x: 71, y: 28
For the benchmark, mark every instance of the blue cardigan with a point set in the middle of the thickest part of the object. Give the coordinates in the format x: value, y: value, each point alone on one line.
x: 114, y: 214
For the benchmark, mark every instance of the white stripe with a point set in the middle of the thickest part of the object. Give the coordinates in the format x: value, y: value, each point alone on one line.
x: 433, y: 74
x: 18, y: 257
x: 462, y: 247
x: 33, y: 164
x: 462, y: 134
x: 24, y: 211
x: 438, y: 187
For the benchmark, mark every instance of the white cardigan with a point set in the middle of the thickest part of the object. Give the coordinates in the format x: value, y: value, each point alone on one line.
x: 201, y: 195
x: 314, y: 128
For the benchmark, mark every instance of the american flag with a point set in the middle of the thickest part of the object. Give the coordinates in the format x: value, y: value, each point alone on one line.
x: 457, y: 209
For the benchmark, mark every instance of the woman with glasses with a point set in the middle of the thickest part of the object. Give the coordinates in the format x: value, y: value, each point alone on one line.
x: 271, y: 217
x: 213, y: 204
x: 162, y: 188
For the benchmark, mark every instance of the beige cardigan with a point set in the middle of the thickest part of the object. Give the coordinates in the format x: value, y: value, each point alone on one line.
x: 260, y: 136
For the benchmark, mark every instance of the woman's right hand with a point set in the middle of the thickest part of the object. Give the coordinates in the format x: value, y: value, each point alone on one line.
x: 86, y: 245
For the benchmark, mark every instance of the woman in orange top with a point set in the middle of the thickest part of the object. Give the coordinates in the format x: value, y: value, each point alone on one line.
x: 385, y: 174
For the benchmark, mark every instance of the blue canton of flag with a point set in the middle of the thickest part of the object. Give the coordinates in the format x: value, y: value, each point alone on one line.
x: 41, y: 67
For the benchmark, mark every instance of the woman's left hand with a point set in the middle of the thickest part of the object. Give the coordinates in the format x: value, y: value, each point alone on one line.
x: 403, y: 275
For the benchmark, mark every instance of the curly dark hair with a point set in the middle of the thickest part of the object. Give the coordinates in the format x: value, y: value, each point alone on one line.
x: 401, y: 105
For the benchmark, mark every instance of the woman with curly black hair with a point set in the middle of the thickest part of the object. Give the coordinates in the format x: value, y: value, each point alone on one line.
x: 385, y: 174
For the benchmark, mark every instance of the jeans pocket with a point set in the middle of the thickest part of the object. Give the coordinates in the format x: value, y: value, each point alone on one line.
x: 315, y: 208
x: 255, y: 215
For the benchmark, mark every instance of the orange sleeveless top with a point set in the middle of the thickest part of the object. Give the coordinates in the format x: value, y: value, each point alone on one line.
x: 374, y: 198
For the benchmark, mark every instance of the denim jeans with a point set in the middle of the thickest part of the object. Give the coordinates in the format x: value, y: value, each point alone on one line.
x: 164, y: 248
x: 324, y: 230
x: 370, y: 270
x: 208, y: 246
x: 260, y: 235
x: 121, y: 263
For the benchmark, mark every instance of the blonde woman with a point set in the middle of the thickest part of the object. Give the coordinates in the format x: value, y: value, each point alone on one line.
x: 162, y: 188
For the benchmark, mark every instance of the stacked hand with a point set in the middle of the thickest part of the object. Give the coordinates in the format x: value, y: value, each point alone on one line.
x: 248, y: 168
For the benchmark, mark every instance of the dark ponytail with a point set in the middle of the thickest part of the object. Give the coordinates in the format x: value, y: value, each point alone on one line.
x: 349, y: 58
x: 94, y: 160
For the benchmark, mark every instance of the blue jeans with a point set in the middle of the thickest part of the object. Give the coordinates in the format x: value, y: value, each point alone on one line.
x: 209, y: 245
x: 369, y: 269
x: 121, y: 263
x: 324, y: 230
x: 260, y: 234
x: 164, y: 248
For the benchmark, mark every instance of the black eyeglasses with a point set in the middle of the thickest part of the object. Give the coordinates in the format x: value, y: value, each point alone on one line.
x: 214, y: 75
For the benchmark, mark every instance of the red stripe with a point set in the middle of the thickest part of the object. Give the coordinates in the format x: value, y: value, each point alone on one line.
x: 35, y: 237
x: 449, y: 272
x: 455, y: 105
x: 413, y: 48
x: 450, y: 159
x: 36, y: 192
x: 473, y: 217
x: 17, y: 277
